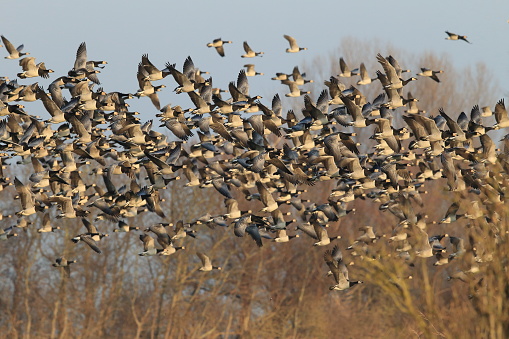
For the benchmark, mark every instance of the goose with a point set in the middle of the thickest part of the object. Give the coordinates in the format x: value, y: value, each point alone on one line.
x: 294, y: 47
x: 206, y: 263
x: 454, y: 36
x: 66, y: 206
x: 182, y: 231
x: 316, y: 231
x: 345, y: 70
x: 335, y: 90
x: 435, y: 243
x: 365, y: 78
x: 186, y: 84
x: 147, y: 89
x: 355, y: 111
x: 394, y: 81
x: 367, y: 237
x: 201, y: 105
x: 458, y: 246
x: 266, y: 198
x: 282, y: 236
x: 46, y: 225
x: 91, y: 237
x: 218, y: 45
x: 451, y: 214
x: 421, y: 245
x: 83, y: 66
x: 149, y: 248
x: 295, y: 91
x: 250, y: 70
x: 334, y: 259
x: 169, y: 249
x: 63, y: 262
x: 426, y: 72
x: 281, y: 76
x: 87, y: 239
x: 249, y: 52
x: 248, y: 224
x: 14, y: 53
x: 31, y: 70
x: 232, y: 209
x: 152, y: 73
x: 7, y: 233
x: 501, y: 115
x: 28, y: 93
x: 457, y: 132
x: 26, y: 197
x: 124, y: 227
x: 163, y: 238
x: 412, y: 105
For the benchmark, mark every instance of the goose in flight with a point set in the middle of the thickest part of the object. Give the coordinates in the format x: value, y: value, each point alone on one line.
x: 63, y: 262
x: 250, y: 70
x: 454, y: 36
x: 14, y: 53
x: 218, y: 45
x: 249, y: 52
x: 294, y: 47
x: 426, y: 72
x: 345, y: 70
x: 206, y: 263
x: 334, y: 259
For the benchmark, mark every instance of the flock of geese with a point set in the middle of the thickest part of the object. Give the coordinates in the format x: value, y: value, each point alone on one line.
x: 232, y: 143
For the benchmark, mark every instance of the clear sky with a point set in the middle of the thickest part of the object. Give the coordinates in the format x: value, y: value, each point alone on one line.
x: 121, y: 31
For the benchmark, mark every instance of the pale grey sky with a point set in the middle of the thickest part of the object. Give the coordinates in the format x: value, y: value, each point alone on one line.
x: 121, y: 31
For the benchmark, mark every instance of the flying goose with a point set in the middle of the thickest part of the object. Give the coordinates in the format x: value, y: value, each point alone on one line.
x: 218, y: 45
x: 458, y: 247
x: 65, y: 205
x: 247, y: 224
x: 14, y: 53
x: 87, y: 239
x: 82, y: 66
x: 7, y: 233
x: 152, y: 73
x: 186, y: 84
x: 249, y: 52
x: 298, y: 77
x: 63, y: 262
x: 454, y: 36
x: 501, y: 115
x: 394, y: 81
x: 316, y: 231
x: 27, y: 198
x: 282, y: 236
x: 46, y: 225
x: 345, y: 70
x: 266, y: 198
x: 91, y: 237
x: 412, y: 105
x: 295, y: 91
x: 149, y: 248
x: 206, y: 263
x: 334, y: 259
x: 250, y: 70
x: 365, y: 78
x: 31, y: 70
x: 182, y: 231
x: 147, y: 89
x: 451, y: 214
x: 426, y: 72
x: 294, y: 47
x: 124, y: 227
